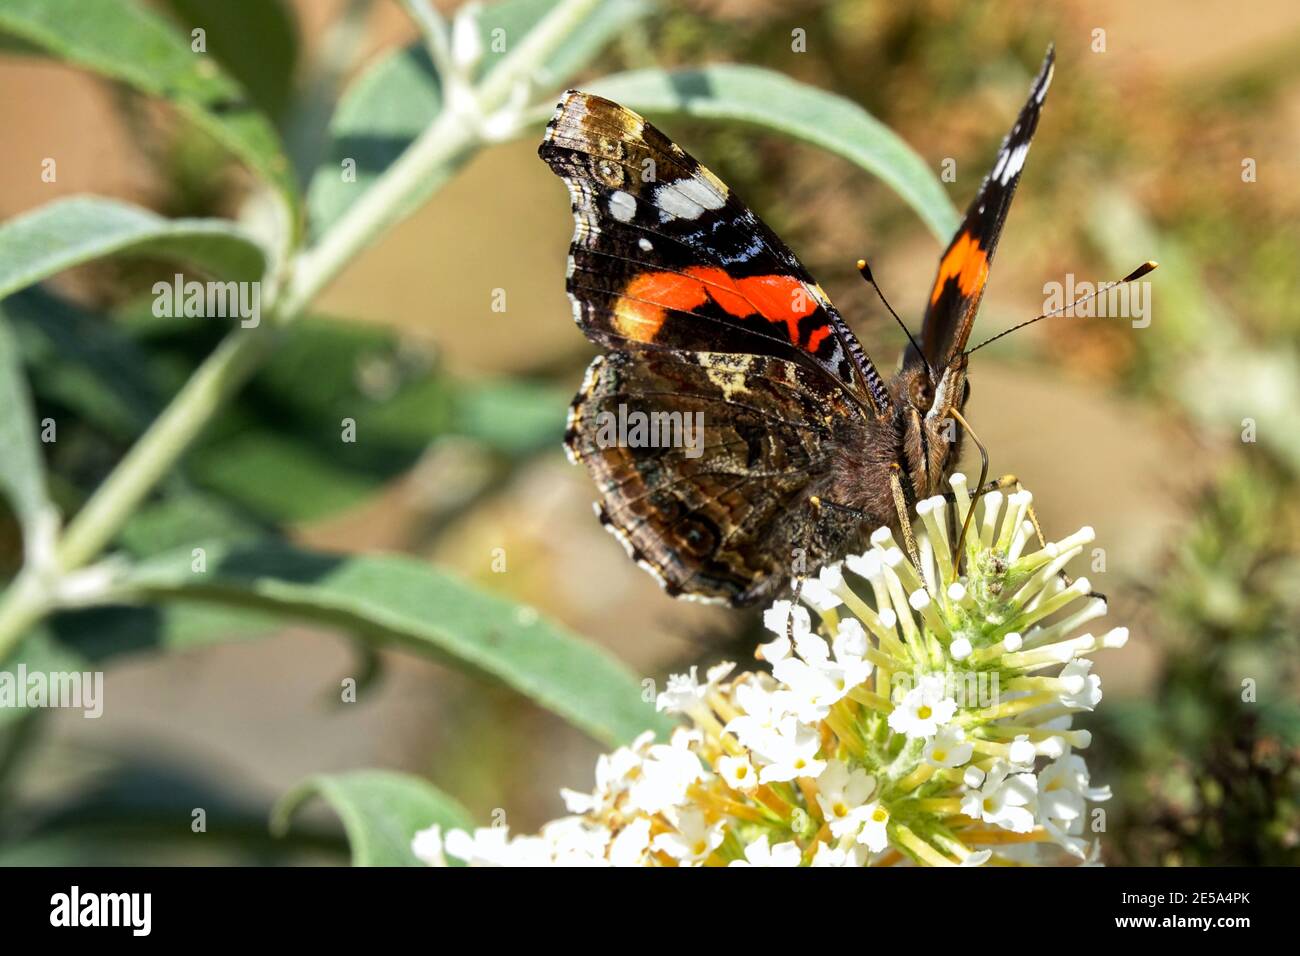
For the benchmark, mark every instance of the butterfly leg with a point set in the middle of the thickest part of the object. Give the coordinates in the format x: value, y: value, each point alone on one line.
x: 979, y: 488
x: 1011, y: 481
x: 817, y: 504
x: 904, y: 522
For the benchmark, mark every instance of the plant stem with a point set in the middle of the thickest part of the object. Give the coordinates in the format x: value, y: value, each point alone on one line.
x: 428, y: 162
x: 418, y: 172
x: 207, y: 391
x: 437, y: 38
x: 22, y: 607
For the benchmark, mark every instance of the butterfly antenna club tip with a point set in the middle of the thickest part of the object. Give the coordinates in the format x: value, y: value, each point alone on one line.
x: 1147, y: 267
x: 865, y: 271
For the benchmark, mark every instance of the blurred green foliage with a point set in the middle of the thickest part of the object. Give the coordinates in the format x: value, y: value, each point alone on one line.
x: 1200, y: 776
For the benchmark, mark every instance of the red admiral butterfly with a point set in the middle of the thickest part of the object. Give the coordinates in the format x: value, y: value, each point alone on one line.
x: 711, y: 319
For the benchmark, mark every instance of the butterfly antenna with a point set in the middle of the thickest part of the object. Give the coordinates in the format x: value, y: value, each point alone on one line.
x: 1146, y: 267
x: 865, y: 270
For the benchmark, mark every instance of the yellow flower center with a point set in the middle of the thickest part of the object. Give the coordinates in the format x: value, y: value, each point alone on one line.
x: 700, y: 848
x: 839, y: 809
x: 940, y: 756
x: 924, y: 712
x: 880, y: 815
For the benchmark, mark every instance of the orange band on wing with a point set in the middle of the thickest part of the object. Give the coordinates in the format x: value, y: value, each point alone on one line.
x: 967, y: 263
x: 779, y: 299
x: 818, y: 336
x: 641, y: 309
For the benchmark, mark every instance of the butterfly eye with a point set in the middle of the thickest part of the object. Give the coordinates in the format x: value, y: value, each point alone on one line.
x: 922, y: 395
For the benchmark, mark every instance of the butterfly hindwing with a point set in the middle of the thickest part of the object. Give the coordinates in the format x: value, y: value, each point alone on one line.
x: 964, y: 266
x: 664, y: 256
x: 717, y: 510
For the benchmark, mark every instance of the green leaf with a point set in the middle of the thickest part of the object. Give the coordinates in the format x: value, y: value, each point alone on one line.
x: 85, y: 638
x: 379, y: 116
x: 505, y: 24
x: 63, y: 234
x: 391, y: 598
x: 383, y: 112
x: 256, y: 41
x: 124, y: 811
x: 82, y: 362
x: 22, y: 473
x: 285, y: 478
x: 381, y: 812
x: 511, y: 416
x: 278, y: 451
x: 182, y: 518
x: 99, y: 634
x: 124, y: 41
x: 754, y: 95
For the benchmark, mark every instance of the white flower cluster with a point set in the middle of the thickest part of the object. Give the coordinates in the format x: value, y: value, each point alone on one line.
x: 918, y: 722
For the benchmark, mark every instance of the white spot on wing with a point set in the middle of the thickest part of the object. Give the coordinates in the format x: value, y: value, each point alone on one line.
x: 622, y: 206
x: 645, y: 244
x: 999, y: 166
x: 1013, y: 164
x: 687, y: 199
x: 1047, y: 81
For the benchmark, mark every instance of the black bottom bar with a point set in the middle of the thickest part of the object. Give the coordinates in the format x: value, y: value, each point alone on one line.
x: 335, y: 905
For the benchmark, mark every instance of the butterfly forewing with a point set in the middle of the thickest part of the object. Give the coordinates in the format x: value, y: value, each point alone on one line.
x: 665, y: 256
x: 964, y: 266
